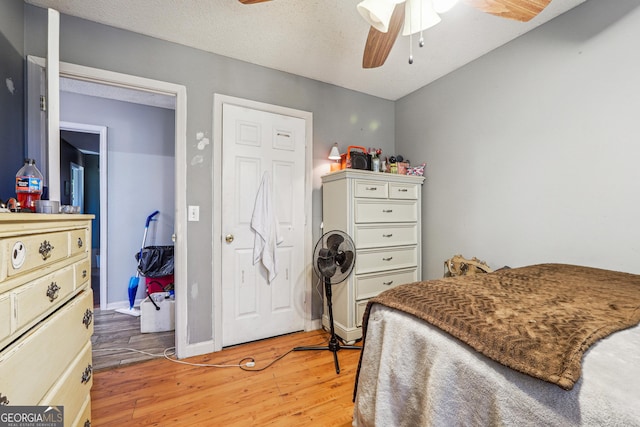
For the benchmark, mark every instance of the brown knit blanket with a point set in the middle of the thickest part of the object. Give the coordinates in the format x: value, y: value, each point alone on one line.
x: 538, y: 320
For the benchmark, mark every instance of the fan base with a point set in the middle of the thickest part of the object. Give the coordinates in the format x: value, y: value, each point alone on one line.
x: 333, y: 346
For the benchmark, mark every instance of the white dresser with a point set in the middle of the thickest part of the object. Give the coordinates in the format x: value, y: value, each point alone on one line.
x: 46, y: 312
x: 382, y: 214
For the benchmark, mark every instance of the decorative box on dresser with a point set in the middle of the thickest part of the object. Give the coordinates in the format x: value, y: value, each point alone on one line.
x: 382, y: 214
x: 46, y: 312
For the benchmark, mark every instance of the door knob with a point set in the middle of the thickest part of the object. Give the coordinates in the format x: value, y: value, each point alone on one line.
x: 229, y: 238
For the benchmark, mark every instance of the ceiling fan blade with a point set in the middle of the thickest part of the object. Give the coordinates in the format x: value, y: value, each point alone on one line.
x: 252, y: 1
x: 520, y: 10
x: 379, y: 44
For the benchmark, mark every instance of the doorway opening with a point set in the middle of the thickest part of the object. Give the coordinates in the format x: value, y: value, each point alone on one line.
x: 150, y: 87
x: 136, y: 165
x: 80, y: 181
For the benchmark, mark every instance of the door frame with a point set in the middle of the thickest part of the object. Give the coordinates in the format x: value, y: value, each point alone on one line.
x: 218, y: 101
x: 100, y: 76
x: 101, y: 131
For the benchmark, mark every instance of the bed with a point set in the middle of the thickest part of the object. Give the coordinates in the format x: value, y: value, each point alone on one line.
x: 550, y: 344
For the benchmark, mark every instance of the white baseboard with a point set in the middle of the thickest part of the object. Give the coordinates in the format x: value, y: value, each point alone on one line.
x: 122, y: 304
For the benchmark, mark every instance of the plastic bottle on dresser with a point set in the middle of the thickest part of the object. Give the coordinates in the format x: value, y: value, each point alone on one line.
x: 375, y: 162
x: 28, y: 185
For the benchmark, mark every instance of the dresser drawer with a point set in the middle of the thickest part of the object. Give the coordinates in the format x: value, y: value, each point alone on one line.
x: 5, y: 322
x: 403, y: 191
x: 35, y: 298
x: 79, y: 241
x: 72, y: 388
x: 369, y: 211
x: 84, y: 416
x: 377, y: 236
x: 374, y: 260
x: 370, y: 189
x: 83, y: 272
x: 372, y: 284
x: 26, y: 253
x: 30, y: 366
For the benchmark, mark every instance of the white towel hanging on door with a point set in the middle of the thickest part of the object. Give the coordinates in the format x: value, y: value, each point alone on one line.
x: 265, y: 223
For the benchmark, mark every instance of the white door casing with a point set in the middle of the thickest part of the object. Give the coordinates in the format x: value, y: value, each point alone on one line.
x: 53, y: 102
x: 305, y: 272
x: 73, y: 71
x: 256, y: 144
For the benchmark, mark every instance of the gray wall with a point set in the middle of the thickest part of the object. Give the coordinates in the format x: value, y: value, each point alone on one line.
x: 140, y: 172
x: 11, y: 95
x: 532, y: 151
x: 90, y: 44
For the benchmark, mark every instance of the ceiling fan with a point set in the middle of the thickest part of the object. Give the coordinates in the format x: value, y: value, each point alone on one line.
x: 387, y: 18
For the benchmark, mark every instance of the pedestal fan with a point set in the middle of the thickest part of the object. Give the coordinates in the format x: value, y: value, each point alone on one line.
x: 333, y: 259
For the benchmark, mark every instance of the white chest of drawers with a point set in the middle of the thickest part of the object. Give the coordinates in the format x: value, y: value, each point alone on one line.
x: 382, y: 214
x: 46, y: 313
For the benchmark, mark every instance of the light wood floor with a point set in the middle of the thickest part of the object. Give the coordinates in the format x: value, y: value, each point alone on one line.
x: 301, y: 389
x: 113, y: 330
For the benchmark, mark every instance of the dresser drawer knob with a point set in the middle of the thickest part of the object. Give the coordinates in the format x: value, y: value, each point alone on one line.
x: 389, y: 283
x: 45, y: 250
x: 84, y: 274
x: 52, y: 291
x: 403, y: 190
x: 387, y: 259
x: 372, y: 188
x: 87, y: 318
x: 387, y: 235
x: 18, y: 255
x: 87, y: 423
x: 80, y: 242
x: 387, y: 210
x: 86, y: 375
x: 4, y: 400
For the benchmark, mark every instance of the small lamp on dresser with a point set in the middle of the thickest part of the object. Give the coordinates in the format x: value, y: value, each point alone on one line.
x: 334, y: 155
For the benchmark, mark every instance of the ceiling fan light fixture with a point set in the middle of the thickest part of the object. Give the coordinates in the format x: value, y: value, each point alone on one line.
x: 419, y: 15
x: 377, y: 13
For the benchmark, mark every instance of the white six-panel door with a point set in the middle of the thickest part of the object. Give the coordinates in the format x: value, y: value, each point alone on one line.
x: 255, y: 142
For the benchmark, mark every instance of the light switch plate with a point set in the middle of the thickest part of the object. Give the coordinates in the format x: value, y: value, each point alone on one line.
x: 194, y: 213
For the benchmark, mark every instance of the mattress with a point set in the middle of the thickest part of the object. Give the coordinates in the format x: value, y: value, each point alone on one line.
x: 414, y: 374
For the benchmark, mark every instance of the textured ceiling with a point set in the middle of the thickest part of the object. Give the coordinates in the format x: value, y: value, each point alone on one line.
x: 319, y: 39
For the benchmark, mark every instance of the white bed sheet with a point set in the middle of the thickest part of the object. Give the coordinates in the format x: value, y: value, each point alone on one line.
x: 413, y: 374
